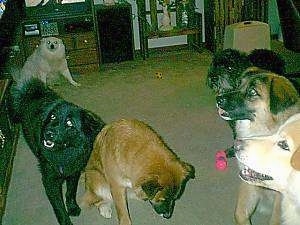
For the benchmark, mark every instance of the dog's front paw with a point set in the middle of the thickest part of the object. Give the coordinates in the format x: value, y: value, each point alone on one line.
x: 73, y: 209
x: 105, y: 210
x: 75, y: 84
x: 65, y: 221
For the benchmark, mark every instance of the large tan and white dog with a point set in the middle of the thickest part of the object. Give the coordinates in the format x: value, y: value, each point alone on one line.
x: 274, y: 162
x: 48, y: 61
x: 129, y: 157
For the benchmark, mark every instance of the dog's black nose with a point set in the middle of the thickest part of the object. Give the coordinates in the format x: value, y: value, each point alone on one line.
x: 52, y: 46
x: 221, y: 101
x: 50, y: 134
x: 167, y: 215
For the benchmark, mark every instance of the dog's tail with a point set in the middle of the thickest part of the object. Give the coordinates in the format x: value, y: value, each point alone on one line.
x: 22, y: 93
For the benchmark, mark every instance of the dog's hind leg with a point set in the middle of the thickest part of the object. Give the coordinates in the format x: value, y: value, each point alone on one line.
x: 72, y: 206
x: 53, y: 188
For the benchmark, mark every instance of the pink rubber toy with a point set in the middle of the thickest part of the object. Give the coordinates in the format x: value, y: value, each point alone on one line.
x: 221, y: 160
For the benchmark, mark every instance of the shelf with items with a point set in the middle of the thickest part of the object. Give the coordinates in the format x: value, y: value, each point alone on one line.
x: 188, y: 22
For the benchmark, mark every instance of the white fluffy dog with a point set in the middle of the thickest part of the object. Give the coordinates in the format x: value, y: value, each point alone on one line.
x: 274, y: 162
x: 47, y: 61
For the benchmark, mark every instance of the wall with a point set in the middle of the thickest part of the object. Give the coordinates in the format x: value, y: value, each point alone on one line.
x: 160, y: 41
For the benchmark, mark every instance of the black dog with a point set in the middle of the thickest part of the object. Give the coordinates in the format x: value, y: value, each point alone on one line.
x: 271, y: 61
x: 227, y: 66
x: 224, y: 75
x: 225, y: 70
x: 267, y: 60
x: 61, y: 136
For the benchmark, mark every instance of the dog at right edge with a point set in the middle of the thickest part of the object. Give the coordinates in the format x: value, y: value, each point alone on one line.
x: 129, y: 156
x: 261, y: 104
x: 273, y: 162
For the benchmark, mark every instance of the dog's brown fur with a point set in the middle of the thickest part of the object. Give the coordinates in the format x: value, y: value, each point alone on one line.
x: 262, y: 112
x: 129, y: 155
x: 274, y: 99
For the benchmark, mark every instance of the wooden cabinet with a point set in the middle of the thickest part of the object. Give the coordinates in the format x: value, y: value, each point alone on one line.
x: 10, y: 57
x: 8, y: 141
x: 81, y: 49
x: 115, y: 32
x: 79, y: 37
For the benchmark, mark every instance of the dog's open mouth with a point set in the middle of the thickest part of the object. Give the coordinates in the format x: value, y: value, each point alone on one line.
x: 224, y: 114
x: 250, y: 175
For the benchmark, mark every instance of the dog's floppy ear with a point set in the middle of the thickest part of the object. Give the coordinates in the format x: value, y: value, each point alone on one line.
x: 91, y: 123
x: 190, y: 171
x: 295, y: 160
x: 151, y: 187
x: 282, y: 94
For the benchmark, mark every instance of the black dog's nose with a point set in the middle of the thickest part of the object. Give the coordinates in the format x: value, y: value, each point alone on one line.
x: 49, y: 134
x: 221, y: 101
x: 52, y: 46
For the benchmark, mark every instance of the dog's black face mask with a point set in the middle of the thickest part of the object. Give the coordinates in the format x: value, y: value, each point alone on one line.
x: 232, y: 106
x: 236, y: 105
x: 163, y: 199
x: 62, y: 139
x: 164, y: 205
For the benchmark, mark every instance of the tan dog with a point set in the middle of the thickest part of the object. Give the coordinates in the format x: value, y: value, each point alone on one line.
x: 48, y: 61
x: 274, y: 162
x: 129, y: 156
x: 262, y: 103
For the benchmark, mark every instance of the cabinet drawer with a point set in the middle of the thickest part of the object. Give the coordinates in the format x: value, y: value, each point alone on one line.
x: 85, y: 69
x: 84, y: 56
x: 80, y: 41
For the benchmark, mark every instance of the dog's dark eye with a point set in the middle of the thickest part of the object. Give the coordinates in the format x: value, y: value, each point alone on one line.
x: 252, y: 92
x: 69, y: 123
x: 229, y: 68
x: 48, y: 42
x: 55, y: 42
x: 284, y: 145
x: 52, y: 117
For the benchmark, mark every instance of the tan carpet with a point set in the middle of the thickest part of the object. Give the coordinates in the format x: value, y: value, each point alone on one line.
x: 179, y: 107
